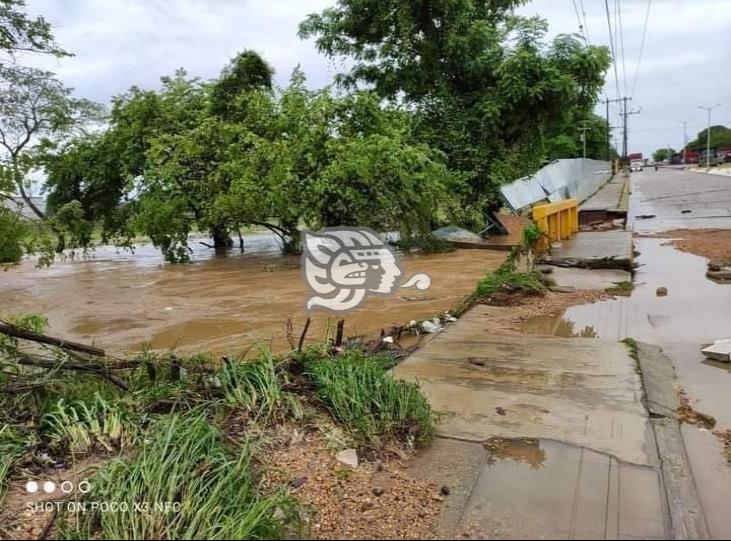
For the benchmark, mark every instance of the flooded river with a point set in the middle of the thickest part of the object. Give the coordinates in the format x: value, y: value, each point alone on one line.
x: 123, y: 300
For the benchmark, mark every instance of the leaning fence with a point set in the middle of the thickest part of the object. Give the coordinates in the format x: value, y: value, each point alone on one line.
x: 560, y: 180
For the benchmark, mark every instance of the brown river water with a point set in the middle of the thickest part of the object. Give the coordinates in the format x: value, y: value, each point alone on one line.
x: 226, y: 304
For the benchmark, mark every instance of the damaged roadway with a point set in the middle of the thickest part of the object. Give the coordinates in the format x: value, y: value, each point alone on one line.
x: 550, y: 437
x: 555, y: 438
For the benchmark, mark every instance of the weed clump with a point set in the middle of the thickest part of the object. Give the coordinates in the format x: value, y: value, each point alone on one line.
x: 184, y: 484
x: 361, y: 394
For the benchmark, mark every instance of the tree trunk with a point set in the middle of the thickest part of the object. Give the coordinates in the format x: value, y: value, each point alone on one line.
x: 293, y: 242
x: 221, y: 238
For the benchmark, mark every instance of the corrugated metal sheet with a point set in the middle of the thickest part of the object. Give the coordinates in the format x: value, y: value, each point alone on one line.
x: 561, y: 179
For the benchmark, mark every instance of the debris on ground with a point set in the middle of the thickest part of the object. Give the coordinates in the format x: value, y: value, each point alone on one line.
x: 661, y: 291
x: 349, y: 457
x: 379, y: 500
x: 453, y: 233
x: 725, y: 437
x: 720, y: 350
x: 687, y: 413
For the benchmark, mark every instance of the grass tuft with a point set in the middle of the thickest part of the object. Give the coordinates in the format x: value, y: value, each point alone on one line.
x: 623, y: 288
x: 184, y: 484
x: 80, y: 427
x: 374, y: 406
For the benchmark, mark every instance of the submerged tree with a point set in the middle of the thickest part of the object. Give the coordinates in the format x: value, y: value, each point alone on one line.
x: 487, y: 90
x: 34, y: 107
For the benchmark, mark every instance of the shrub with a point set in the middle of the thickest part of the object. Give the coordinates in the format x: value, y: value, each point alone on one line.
x: 373, y: 405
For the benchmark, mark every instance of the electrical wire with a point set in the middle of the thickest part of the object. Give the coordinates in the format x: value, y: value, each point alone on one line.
x: 621, y: 42
x: 611, y: 46
x: 642, y: 47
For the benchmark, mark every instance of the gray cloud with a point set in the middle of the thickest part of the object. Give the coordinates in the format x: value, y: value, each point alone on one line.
x: 119, y: 43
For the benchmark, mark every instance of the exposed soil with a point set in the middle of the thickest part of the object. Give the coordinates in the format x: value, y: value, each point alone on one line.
x: 714, y: 244
x: 376, y: 500
x: 725, y: 437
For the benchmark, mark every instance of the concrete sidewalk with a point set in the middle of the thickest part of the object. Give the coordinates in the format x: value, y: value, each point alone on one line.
x: 544, y: 437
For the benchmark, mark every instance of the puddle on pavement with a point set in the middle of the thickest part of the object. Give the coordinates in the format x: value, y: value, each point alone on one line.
x: 695, y: 312
x: 557, y: 325
x: 543, y: 489
x: 227, y: 303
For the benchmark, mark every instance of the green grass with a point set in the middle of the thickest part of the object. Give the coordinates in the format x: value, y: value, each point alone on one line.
x: 12, y: 445
x: 633, y: 347
x: 504, y: 278
x: 81, y: 427
x: 369, y: 402
x: 183, y: 484
x: 623, y: 288
x: 256, y: 386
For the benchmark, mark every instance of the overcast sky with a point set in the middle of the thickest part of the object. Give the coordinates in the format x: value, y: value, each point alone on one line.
x: 119, y: 43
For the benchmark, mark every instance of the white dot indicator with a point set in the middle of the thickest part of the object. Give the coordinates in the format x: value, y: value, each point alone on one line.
x: 49, y: 487
x: 31, y: 487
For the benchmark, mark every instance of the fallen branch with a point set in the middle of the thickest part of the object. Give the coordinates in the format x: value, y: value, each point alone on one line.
x: 304, y: 333
x: 16, y: 332
x: 99, y: 369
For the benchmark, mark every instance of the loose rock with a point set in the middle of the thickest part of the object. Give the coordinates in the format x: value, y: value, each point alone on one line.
x: 349, y: 457
x: 661, y: 291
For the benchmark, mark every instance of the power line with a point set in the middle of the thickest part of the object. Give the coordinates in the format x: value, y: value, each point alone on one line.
x: 586, y: 24
x: 642, y: 46
x: 621, y: 42
x: 611, y: 46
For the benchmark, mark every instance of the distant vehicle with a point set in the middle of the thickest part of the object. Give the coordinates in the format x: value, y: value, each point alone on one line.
x: 636, y: 166
x: 715, y: 159
x: 635, y: 157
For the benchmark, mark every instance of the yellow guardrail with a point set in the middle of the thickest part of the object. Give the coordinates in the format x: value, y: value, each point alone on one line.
x: 557, y: 221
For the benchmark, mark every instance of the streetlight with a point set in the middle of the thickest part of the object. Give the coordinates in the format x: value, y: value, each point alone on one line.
x: 708, y: 134
x: 685, y: 136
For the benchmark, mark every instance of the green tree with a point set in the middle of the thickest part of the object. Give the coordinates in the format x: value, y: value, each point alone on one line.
x: 20, y: 33
x: 720, y: 136
x: 247, y: 71
x: 35, y: 108
x: 662, y: 154
x: 485, y: 87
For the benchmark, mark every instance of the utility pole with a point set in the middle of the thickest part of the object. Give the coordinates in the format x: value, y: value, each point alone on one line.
x: 583, y: 130
x: 708, y: 132
x: 685, y: 136
x: 609, y: 133
x: 625, y: 114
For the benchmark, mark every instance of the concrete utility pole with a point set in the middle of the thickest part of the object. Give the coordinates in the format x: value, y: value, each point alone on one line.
x: 609, y: 133
x: 583, y: 130
x: 708, y: 132
x: 685, y: 136
x: 625, y: 114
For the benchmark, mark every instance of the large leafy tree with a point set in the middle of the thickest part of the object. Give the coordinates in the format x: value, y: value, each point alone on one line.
x: 20, y: 33
x: 486, y: 88
x: 720, y: 137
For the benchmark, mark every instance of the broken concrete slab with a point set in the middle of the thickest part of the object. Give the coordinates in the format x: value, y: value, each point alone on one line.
x: 580, y: 391
x: 685, y: 508
x: 594, y: 250
x: 596, y: 279
x: 720, y: 350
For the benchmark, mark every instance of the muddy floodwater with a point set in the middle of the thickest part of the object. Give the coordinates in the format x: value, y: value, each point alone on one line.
x: 226, y: 304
